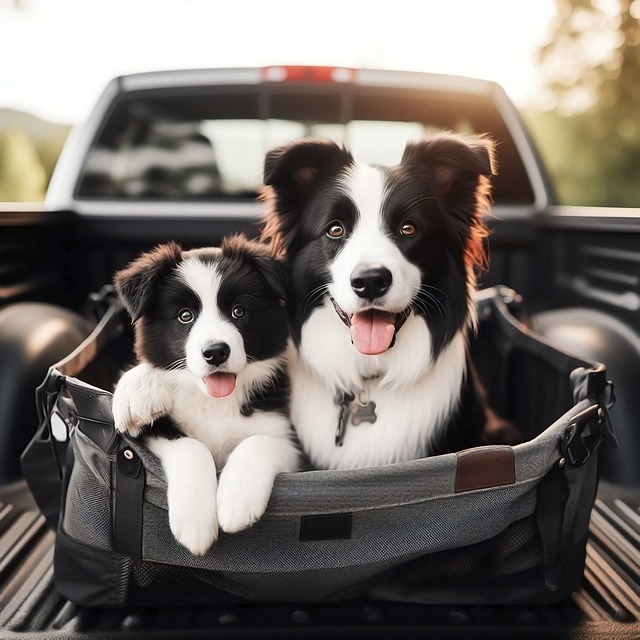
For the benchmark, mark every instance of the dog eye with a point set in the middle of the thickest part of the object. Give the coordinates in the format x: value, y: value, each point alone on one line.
x: 408, y: 228
x: 237, y: 311
x: 185, y: 316
x: 335, y: 230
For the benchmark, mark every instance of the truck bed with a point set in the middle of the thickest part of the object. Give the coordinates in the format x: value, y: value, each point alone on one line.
x: 606, y: 606
x: 575, y: 267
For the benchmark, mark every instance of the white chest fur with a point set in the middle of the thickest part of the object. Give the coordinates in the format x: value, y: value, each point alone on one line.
x: 413, y: 394
x: 218, y: 423
x: 147, y: 392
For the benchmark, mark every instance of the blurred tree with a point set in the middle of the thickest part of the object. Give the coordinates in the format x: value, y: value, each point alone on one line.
x: 22, y: 176
x: 49, y: 148
x: 18, y: 4
x: 591, y: 139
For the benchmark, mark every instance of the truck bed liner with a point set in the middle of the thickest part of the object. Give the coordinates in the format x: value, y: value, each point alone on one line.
x: 606, y: 606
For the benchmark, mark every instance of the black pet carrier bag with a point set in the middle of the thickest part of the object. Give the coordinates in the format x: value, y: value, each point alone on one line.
x: 490, y: 525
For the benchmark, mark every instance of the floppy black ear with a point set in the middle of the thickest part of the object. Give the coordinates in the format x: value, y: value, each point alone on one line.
x: 291, y: 173
x: 137, y: 282
x: 452, y: 158
x: 275, y: 273
x: 273, y: 269
x: 294, y: 169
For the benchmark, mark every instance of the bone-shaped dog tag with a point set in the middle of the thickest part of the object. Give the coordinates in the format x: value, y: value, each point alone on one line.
x: 363, y: 413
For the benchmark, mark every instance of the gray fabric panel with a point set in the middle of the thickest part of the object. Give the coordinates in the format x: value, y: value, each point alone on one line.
x: 87, y: 513
x: 391, y: 534
x: 317, y: 492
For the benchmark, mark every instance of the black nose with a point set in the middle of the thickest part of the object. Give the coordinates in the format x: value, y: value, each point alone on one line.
x: 216, y: 353
x: 371, y: 282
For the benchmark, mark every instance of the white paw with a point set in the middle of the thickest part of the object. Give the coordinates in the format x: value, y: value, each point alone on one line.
x: 242, y: 498
x: 194, y: 524
x: 139, y: 398
x: 191, y: 491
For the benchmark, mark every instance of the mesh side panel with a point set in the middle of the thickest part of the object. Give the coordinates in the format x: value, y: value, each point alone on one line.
x: 168, y: 586
x: 509, y: 567
x: 87, y: 513
x: 144, y: 573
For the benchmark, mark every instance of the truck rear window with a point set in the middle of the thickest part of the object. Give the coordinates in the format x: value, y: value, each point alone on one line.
x: 211, y: 146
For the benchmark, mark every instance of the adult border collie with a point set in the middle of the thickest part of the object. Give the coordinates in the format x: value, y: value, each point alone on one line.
x: 382, y: 270
x: 211, y: 391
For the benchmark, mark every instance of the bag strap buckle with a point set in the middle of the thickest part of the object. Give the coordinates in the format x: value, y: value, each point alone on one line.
x: 588, y: 430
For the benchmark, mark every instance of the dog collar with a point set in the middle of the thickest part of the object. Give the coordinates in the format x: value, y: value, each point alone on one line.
x: 401, y: 318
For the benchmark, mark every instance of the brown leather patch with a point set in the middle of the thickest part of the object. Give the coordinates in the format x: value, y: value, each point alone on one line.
x: 485, y: 467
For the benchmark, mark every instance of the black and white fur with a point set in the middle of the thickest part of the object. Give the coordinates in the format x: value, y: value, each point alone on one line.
x: 211, y: 391
x: 378, y: 243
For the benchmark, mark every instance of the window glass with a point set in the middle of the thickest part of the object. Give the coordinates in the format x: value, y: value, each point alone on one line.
x: 212, y: 147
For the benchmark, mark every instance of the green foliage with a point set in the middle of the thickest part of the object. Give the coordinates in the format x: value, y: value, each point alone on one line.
x: 590, y: 139
x: 29, y: 150
x: 22, y: 176
x: 593, y: 160
x: 49, y: 148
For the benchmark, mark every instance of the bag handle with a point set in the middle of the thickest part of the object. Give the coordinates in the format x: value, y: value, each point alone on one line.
x: 65, y: 402
x: 43, y: 460
x: 55, y: 409
x: 110, y: 312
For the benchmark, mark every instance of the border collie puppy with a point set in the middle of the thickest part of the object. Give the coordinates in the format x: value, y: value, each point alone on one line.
x: 382, y: 271
x: 211, y: 391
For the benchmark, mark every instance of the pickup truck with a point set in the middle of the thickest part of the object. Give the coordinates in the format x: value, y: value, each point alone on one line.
x: 178, y: 155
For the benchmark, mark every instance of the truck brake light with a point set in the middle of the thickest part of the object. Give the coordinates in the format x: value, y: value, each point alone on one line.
x: 294, y: 74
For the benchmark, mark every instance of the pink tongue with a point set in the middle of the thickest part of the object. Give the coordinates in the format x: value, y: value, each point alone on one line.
x: 220, y: 385
x: 372, y: 331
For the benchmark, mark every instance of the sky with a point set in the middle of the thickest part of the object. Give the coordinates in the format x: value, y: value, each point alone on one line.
x: 56, y: 56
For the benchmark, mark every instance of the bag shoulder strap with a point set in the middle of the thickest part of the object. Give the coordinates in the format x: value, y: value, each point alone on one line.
x: 42, y: 459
